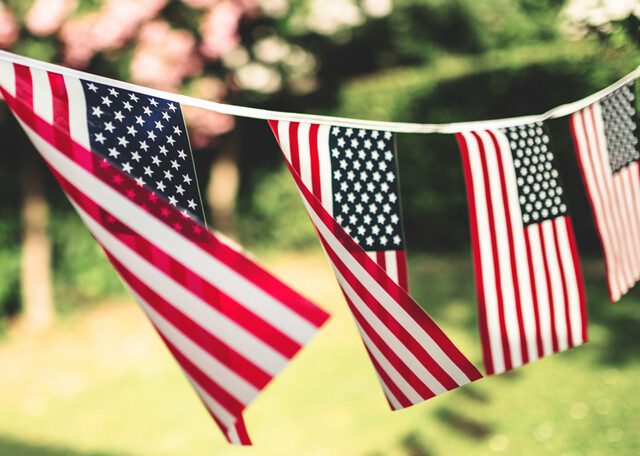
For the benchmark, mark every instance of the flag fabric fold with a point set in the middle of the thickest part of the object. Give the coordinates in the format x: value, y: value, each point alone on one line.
x: 348, y: 182
x: 605, y: 137
x: 531, y: 298
x: 124, y: 161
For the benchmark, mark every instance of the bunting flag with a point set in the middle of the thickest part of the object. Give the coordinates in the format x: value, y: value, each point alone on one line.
x: 605, y: 136
x: 348, y: 182
x: 531, y: 298
x: 124, y: 161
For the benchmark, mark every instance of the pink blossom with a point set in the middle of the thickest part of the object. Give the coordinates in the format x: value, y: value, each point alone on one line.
x: 164, y: 57
x: 200, y: 3
x: 205, y: 126
x: 45, y: 16
x: 219, y: 29
x: 9, y: 31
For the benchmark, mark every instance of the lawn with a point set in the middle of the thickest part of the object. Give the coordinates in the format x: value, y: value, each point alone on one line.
x: 101, y: 383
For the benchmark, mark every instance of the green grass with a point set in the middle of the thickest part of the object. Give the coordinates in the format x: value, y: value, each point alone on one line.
x: 101, y: 383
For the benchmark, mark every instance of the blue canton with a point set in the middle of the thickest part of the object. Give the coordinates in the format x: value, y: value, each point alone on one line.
x: 147, y: 138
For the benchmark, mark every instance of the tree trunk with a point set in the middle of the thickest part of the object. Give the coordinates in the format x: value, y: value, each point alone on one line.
x: 37, y: 294
x: 224, y: 181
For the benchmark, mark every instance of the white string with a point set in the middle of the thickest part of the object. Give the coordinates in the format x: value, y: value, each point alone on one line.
x: 264, y: 114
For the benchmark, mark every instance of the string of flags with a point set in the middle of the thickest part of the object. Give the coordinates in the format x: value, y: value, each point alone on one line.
x: 122, y: 156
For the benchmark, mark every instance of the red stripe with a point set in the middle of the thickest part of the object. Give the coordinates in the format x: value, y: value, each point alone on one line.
x: 293, y: 145
x: 477, y: 265
x: 241, y: 430
x: 212, y: 296
x: 60, y: 101
x: 577, y: 267
x: 403, y: 276
x: 157, y: 207
x: 512, y: 251
x: 592, y: 193
x: 545, y: 263
x: 564, y: 283
x: 496, y: 257
x: 534, y: 294
x: 315, y: 161
x: 274, y: 128
x: 24, y: 85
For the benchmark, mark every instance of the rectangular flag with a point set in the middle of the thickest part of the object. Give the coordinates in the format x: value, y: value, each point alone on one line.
x: 531, y: 298
x: 348, y: 182
x: 605, y: 136
x: 124, y: 161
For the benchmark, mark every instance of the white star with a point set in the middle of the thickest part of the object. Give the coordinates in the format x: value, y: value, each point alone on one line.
x: 388, y: 134
x: 335, y: 152
x: 97, y: 111
x: 165, y: 115
x: 148, y: 171
x: 136, y: 156
x: 337, y: 174
x: 109, y: 127
x: 396, y: 239
x: 113, y: 92
x: 386, y: 208
x: 349, y: 131
x: 375, y: 229
x: 179, y: 189
x: 359, y: 208
x: 383, y: 240
x: 127, y: 167
x: 106, y: 101
x: 335, y: 131
x: 153, y: 102
x: 373, y: 208
x: 163, y: 150
x: 375, y: 155
x: 381, y: 145
x: 355, y: 143
x: 100, y: 138
x: 390, y: 177
x: 144, y: 146
x: 186, y: 179
x: 393, y: 198
x: 353, y: 219
x: 343, y: 164
x: 362, y: 132
x: 159, y: 125
x: 172, y: 107
x: 181, y: 154
x: 131, y: 130
x: 376, y: 176
x: 174, y: 164
x: 170, y: 140
x: 140, y: 181
x: 177, y: 130
x: 388, y: 229
x: 388, y: 155
x: 168, y: 175
x: 91, y: 86
x: 375, y: 134
x: 139, y: 120
x: 367, y: 143
x: 160, y: 185
x: 133, y: 97
x: 395, y: 218
x: 152, y: 135
x: 155, y: 160
x: 192, y: 204
x: 173, y: 200
x: 127, y: 106
x: 341, y: 142
x: 147, y: 111
x: 122, y: 141
x: 119, y: 116
x: 365, y: 198
x: 367, y: 219
x: 338, y: 197
x: 369, y: 240
x: 113, y: 152
x: 345, y: 208
x: 348, y: 153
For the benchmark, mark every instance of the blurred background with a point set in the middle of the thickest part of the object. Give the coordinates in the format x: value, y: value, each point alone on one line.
x: 81, y: 371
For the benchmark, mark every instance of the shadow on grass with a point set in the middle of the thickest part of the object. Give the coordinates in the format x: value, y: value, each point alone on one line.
x: 464, y: 425
x: 13, y: 447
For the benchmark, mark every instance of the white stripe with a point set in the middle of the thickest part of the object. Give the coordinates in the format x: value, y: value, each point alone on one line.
x: 599, y: 148
x: 391, y: 371
x: 8, y: 77
x: 504, y: 250
x: 401, y: 350
x: 186, y: 302
x: 391, y: 264
x: 77, y: 112
x: 542, y: 292
x: 566, y: 256
x: 210, y: 268
x: 560, y: 319
x: 486, y: 254
x: 520, y: 249
x: 283, y: 136
x: 233, y: 436
x: 220, y: 411
x: 304, y: 154
x: 42, y: 97
x: 228, y: 380
x: 600, y: 209
x: 387, y: 301
x: 326, y: 174
x: 264, y: 114
x: 626, y: 195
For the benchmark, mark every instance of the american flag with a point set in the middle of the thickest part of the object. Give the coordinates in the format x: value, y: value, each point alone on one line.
x: 124, y: 161
x: 605, y: 136
x: 531, y: 298
x: 332, y: 167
